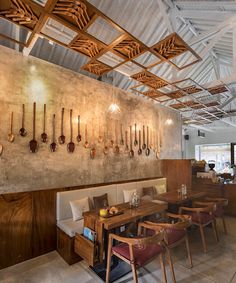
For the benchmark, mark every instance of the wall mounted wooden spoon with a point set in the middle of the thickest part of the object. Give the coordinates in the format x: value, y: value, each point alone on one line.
x: 62, y: 138
x: 86, y: 143
x: 79, y: 137
x: 11, y: 136
x: 121, y: 135
x: 126, y: 142
x: 111, y: 140
x: 93, y: 149
x: 144, y: 145
x: 53, y: 145
x: 139, y: 143
x: 105, y: 148
x: 131, y: 152
x: 116, y: 149
x: 44, y: 136
x: 23, y: 131
x: 135, y: 135
x: 33, y: 144
x: 100, y: 138
x: 71, y: 145
x: 147, y: 152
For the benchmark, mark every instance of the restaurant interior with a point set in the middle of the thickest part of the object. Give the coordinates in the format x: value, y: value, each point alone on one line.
x: 121, y: 115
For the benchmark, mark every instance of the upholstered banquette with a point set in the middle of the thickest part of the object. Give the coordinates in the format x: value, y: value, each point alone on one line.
x: 116, y: 193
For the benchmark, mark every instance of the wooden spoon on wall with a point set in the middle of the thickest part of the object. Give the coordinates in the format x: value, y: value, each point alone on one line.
x: 86, y: 143
x: 33, y: 144
x: 11, y: 136
x: 53, y: 145
x: 147, y: 149
x: 79, y: 135
x: 131, y: 152
x: 93, y: 149
x: 116, y: 149
x: 44, y: 136
x: 135, y: 135
x: 62, y: 138
x: 105, y: 148
x: 126, y: 142
x: 121, y: 135
x: 23, y: 131
x: 144, y: 145
x: 139, y: 143
x: 71, y: 145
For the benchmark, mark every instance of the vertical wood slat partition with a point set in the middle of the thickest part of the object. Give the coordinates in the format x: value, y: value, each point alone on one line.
x: 177, y: 172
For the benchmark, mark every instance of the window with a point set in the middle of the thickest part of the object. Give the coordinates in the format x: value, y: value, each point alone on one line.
x: 220, y: 153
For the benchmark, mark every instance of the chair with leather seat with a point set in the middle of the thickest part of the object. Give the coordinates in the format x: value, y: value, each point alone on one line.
x: 202, y: 216
x: 219, y: 212
x: 137, y: 251
x: 175, y: 231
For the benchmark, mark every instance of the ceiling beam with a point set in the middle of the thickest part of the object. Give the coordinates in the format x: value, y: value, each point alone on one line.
x: 205, y: 14
x: 200, y: 128
x: 26, y: 50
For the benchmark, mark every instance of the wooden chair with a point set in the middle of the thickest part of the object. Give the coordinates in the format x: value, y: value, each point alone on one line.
x: 202, y: 217
x: 219, y: 212
x: 137, y: 252
x: 175, y: 233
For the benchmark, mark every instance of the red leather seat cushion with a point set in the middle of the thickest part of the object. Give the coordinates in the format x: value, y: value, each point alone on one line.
x: 219, y: 211
x: 141, y: 254
x: 204, y: 217
x: 174, y: 235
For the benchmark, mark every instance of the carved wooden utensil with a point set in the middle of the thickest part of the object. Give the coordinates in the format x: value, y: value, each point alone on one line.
x: 105, y: 148
x: 53, y: 145
x: 71, y: 145
x: 139, y: 143
x: 44, y: 136
x: 62, y: 138
x: 131, y: 152
x: 100, y: 139
x: 144, y: 145
x: 116, y: 149
x: 23, y: 131
x: 33, y: 144
x: 126, y: 142
x: 111, y: 141
x: 147, y: 152
x: 121, y: 135
x: 11, y: 136
x: 79, y: 137
x: 93, y: 149
x: 135, y: 135
x: 86, y: 143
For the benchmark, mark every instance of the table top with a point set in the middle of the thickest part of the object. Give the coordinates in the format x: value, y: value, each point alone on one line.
x: 145, y: 208
x: 174, y: 198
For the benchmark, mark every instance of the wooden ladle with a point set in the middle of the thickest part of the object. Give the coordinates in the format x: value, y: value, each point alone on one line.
x: 131, y: 152
x: 62, y: 138
x: 79, y: 137
x: 93, y: 149
x: 139, y: 143
x: 86, y: 143
x: 100, y: 139
x: 144, y: 145
x: 147, y: 152
x: 121, y: 135
x: 135, y: 135
x: 44, y: 136
x: 11, y: 136
x: 105, y: 148
x: 33, y: 144
x: 23, y: 131
x: 126, y: 142
x: 71, y: 145
x: 53, y: 145
x: 116, y: 148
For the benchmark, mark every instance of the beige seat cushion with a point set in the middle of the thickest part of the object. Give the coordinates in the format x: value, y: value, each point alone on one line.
x: 71, y: 227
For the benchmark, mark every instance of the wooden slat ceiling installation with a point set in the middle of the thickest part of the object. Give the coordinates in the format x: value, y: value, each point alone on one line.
x: 162, y: 62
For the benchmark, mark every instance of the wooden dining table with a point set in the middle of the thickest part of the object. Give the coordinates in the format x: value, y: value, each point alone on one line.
x: 103, y: 226
x: 175, y: 200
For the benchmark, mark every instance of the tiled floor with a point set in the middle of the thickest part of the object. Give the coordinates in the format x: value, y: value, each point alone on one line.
x: 218, y: 265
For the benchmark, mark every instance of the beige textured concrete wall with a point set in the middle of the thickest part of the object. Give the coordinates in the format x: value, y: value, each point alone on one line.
x: 25, y: 80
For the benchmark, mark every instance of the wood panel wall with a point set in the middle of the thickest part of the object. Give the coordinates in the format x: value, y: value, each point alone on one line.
x: 177, y: 172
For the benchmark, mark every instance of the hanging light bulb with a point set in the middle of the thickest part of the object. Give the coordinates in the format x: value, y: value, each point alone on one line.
x: 114, y: 107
